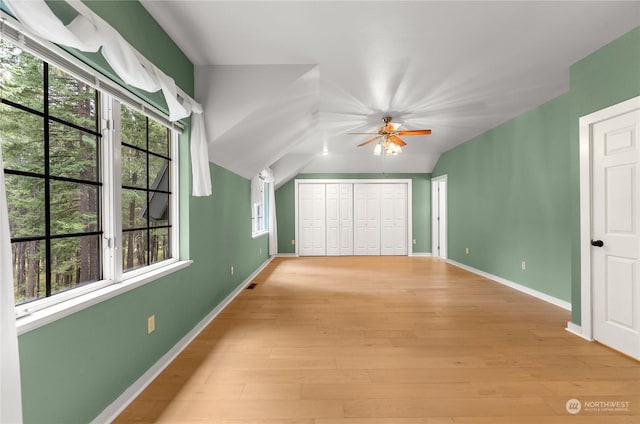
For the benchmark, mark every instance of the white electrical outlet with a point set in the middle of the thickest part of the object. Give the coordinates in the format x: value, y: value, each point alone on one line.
x: 231, y: 269
x: 261, y: 250
x: 414, y: 241
x: 293, y: 242
x: 151, y: 324
x: 466, y: 250
x: 524, y: 265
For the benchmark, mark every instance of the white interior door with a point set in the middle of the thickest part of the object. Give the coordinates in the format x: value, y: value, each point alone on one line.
x: 393, y: 216
x: 439, y: 217
x: 333, y: 219
x: 346, y: 219
x: 367, y: 219
x: 616, y: 222
x: 311, y: 219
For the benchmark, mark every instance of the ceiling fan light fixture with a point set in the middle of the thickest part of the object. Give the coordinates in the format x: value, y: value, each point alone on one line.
x: 391, y: 144
x: 393, y: 149
x: 377, y: 151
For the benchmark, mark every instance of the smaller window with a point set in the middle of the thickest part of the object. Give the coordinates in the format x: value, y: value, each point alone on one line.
x: 259, y: 206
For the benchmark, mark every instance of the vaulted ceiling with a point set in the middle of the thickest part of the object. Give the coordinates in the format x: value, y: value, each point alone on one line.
x: 283, y: 81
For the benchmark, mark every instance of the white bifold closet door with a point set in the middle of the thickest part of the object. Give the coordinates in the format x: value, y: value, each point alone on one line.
x: 342, y: 219
x: 366, y: 218
x: 312, y: 225
x: 339, y: 214
x: 393, y: 216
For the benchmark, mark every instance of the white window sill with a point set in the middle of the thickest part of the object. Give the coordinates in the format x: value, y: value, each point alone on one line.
x: 45, y: 316
x: 260, y: 234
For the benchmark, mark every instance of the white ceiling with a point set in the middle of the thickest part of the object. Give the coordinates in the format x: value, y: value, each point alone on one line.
x: 282, y: 80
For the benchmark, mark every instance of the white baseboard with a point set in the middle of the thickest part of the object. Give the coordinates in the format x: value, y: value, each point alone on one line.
x: 535, y: 293
x: 112, y: 411
x: 576, y: 330
x: 293, y: 255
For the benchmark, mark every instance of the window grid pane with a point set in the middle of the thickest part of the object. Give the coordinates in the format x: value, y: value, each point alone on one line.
x: 28, y: 270
x: 75, y: 261
x: 16, y: 67
x: 22, y: 140
x: 71, y: 100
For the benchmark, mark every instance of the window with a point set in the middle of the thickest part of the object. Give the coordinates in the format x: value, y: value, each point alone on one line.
x: 259, y: 206
x: 66, y: 177
x: 145, y: 172
x: 50, y: 142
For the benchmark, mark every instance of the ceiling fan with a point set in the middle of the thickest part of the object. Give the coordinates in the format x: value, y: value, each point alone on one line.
x: 388, y: 139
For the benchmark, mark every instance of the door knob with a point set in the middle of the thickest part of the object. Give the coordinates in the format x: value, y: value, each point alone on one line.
x: 597, y: 243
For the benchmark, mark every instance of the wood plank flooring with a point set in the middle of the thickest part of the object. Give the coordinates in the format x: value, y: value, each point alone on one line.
x: 387, y: 340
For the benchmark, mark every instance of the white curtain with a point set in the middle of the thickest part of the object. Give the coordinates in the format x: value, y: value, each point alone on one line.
x: 267, y: 174
x: 200, y: 173
x: 10, y: 391
x: 88, y: 32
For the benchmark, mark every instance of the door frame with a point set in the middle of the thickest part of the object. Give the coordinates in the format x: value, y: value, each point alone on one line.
x: 434, y: 223
x: 586, y: 123
x: 407, y: 181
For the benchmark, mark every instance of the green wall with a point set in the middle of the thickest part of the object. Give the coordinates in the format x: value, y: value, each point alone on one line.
x: 73, y: 368
x: 508, y: 199
x: 421, y: 194
x: 514, y: 191
x: 602, y: 79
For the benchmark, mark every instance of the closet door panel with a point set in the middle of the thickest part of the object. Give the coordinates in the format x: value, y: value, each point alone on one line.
x: 333, y: 219
x: 394, y: 218
x: 367, y: 219
x: 311, y: 220
x: 346, y: 219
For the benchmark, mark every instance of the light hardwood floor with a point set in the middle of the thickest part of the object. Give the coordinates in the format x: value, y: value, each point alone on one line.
x: 387, y: 340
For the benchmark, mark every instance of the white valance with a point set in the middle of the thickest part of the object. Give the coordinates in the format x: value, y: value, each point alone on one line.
x: 90, y: 33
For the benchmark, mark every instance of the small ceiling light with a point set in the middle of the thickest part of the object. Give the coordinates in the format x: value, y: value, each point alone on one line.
x: 378, y: 149
x: 393, y: 149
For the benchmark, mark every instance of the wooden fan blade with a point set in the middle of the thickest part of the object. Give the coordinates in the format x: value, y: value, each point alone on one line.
x: 363, y: 133
x: 397, y: 140
x: 368, y: 141
x: 414, y: 132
